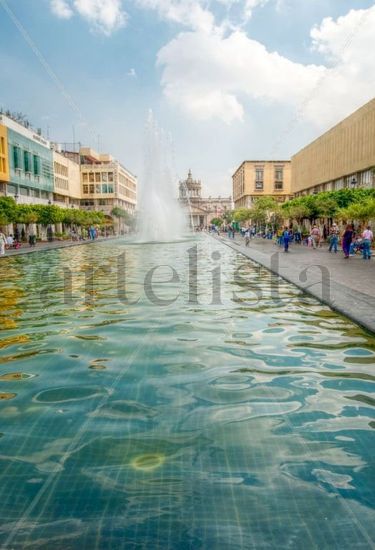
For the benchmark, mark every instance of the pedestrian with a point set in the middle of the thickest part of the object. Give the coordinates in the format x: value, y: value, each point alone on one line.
x: 367, y: 237
x: 3, y: 242
x: 10, y: 241
x: 334, y: 238
x: 347, y: 238
x: 315, y: 236
x: 286, y: 238
x: 247, y: 237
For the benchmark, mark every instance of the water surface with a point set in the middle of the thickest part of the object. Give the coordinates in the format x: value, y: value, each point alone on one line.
x: 224, y: 409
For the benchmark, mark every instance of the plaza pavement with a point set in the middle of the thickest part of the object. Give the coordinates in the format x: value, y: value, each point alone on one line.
x: 347, y: 286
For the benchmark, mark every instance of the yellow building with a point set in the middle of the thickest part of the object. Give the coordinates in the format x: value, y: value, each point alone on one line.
x: 261, y: 178
x: 342, y: 157
x: 67, y: 181
x: 4, y: 159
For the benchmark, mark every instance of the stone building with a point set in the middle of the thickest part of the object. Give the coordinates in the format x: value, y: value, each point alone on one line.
x: 261, y: 178
x: 343, y: 157
x: 201, y: 210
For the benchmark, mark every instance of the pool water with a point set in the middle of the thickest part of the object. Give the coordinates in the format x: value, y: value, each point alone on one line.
x: 223, y: 409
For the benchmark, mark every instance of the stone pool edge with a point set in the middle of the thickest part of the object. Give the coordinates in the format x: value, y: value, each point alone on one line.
x: 356, y: 306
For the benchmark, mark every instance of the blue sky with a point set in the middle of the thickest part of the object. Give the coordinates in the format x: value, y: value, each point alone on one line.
x: 230, y: 79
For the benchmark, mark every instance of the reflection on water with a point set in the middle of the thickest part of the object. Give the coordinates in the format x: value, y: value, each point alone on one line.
x: 137, y: 413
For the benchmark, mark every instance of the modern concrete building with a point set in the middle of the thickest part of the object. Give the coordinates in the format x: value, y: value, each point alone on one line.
x: 67, y: 180
x: 105, y: 183
x: 342, y: 157
x: 201, y: 210
x: 29, y: 176
x: 261, y: 178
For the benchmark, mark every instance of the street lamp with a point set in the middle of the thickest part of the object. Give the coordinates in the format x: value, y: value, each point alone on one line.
x: 49, y: 228
x: 353, y: 182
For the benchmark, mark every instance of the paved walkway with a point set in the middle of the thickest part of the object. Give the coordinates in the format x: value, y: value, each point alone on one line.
x: 348, y: 286
x: 40, y: 247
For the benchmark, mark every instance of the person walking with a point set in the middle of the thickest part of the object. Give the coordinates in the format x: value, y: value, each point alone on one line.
x: 334, y: 238
x: 347, y: 238
x: 315, y: 236
x: 3, y: 242
x: 247, y: 237
x: 367, y: 237
x: 286, y: 237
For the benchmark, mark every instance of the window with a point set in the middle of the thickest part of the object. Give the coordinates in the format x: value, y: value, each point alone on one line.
x: 279, y: 173
x: 104, y: 176
x: 110, y: 188
x: 104, y: 188
x: 259, y: 176
x: 24, y: 191
x: 279, y: 185
x: 85, y: 189
x: 91, y: 177
x: 92, y: 188
x: 36, y: 165
x: 97, y: 188
x: 110, y: 176
x: 85, y: 177
x: 17, y: 158
x: 97, y: 177
x: 259, y: 185
x: 26, y: 161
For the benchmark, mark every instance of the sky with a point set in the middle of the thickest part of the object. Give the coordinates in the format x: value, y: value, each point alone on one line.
x: 229, y: 80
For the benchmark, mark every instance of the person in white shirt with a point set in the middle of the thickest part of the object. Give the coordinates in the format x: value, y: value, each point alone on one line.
x: 3, y: 242
x: 10, y: 241
x: 367, y: 237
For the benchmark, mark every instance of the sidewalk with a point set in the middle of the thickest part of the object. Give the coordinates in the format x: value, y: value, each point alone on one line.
x: 347, y: 286
x: 54, y: 245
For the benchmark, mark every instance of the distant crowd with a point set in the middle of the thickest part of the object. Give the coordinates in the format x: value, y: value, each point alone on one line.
x: 351, y: 240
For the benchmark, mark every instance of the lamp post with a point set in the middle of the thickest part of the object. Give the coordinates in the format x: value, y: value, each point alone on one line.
x: 353, y: 182
x: 49, y: 228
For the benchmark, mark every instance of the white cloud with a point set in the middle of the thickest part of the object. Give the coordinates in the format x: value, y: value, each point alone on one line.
x: 104, y: 16
x: 210, y: 75
x: 61, y: 9
x: 132, y: 73
x: 189, y: 13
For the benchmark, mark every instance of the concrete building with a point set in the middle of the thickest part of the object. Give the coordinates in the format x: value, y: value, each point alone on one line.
x: 67, y: 180
x: 201, y: 210
x: 29, y: 174
x: 105, y: 183
x: 261, y: 178
x: 342, y: 157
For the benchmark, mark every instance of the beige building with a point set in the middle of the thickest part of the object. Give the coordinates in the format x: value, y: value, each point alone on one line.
x: 342, y: 157
x: 105, y: 183
x: 201, y: 210
x: 67, y: 181
x: 261, y: 178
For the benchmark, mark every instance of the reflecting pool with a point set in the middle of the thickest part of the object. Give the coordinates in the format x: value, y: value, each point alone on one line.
x: 208, y: 406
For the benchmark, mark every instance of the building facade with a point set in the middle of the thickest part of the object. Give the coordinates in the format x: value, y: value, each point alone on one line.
x: 4, y: 159
x: 342, y: 157
x: 261, y: 178
x: 67, y: 181
x: 200, y: 210
x: 105, y: 183
x: 30, y: 167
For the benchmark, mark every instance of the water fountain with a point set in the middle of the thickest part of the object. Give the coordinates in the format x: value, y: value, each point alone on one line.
x: 161, y: 218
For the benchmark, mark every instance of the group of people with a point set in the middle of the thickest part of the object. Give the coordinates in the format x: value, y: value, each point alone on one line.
x: 351, y: 240
x: 7, y: 242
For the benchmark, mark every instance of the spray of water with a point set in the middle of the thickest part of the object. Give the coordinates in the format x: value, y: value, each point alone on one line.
x: 160, y: 216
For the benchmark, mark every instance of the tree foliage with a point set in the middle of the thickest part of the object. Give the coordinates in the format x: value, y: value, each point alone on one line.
x: 10, y: 212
